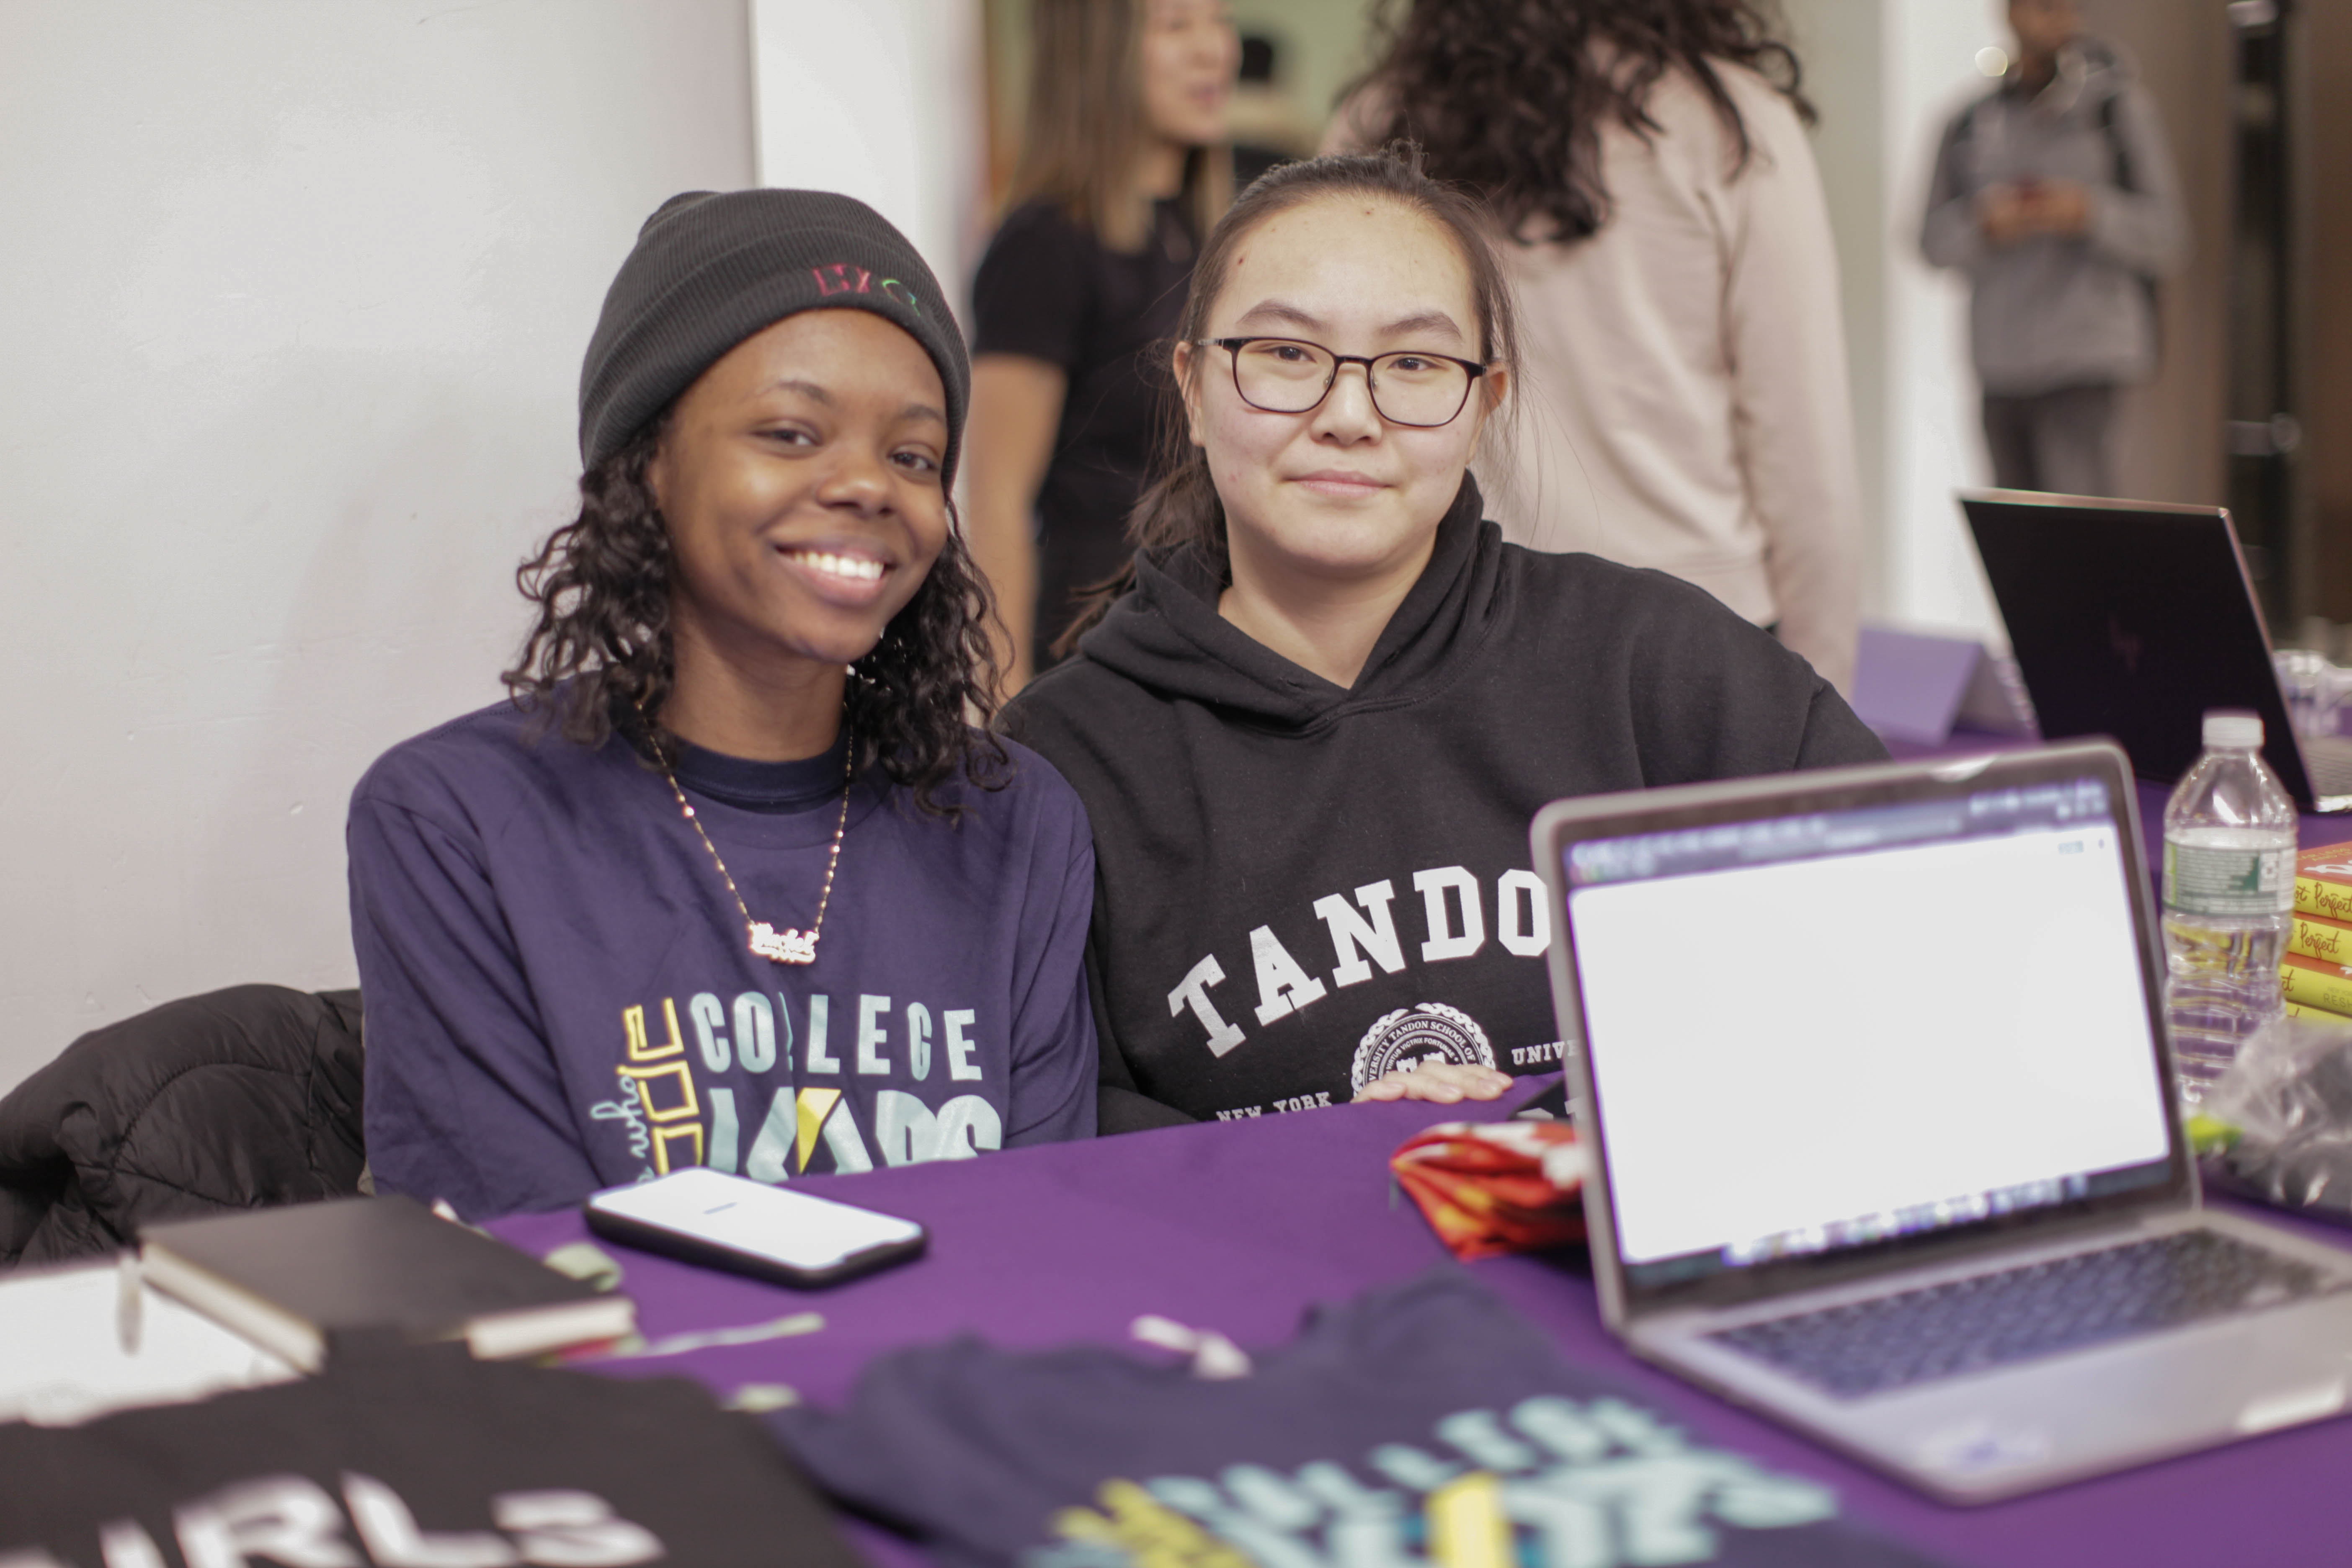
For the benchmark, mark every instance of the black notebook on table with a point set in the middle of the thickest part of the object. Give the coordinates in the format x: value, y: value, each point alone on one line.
x: 289, y: 1278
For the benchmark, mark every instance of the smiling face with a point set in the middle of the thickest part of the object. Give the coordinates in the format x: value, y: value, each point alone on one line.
x: 800, y: 480
x: 1189, y: 55
x: 1337, y: 494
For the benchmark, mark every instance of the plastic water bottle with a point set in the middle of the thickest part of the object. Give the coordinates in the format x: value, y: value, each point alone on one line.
x: 2228, y: 894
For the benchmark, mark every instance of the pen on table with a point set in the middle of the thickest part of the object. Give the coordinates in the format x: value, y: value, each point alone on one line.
x: 442, y: 1210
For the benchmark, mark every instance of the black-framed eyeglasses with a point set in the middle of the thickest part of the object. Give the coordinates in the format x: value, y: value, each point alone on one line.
x: 1291, y: 375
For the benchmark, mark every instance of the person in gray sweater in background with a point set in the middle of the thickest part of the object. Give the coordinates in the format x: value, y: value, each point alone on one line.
x: 2055, y: 194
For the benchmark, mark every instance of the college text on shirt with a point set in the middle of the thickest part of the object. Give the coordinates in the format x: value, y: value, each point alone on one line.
x: 671, y: 1119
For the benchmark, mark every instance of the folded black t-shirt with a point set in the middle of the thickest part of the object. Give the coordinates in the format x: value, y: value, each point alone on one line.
x: 422, y: 1458
x: 1421, y: 1423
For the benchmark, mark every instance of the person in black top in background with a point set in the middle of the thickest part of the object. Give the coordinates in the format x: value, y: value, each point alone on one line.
x: 1312, y: 726
x: 1122, y: 170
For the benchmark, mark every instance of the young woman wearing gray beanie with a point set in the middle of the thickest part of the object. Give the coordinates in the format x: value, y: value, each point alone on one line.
x: 730, y: 881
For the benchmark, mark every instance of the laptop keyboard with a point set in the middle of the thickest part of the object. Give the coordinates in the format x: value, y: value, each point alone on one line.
x: 2328, y: 760
x: 1993, y: 1319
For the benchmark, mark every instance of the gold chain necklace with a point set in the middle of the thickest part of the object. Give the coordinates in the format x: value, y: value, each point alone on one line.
x: 787, y: 946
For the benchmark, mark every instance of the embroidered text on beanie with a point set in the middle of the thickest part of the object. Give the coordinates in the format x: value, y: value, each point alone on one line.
x: 711, y: 269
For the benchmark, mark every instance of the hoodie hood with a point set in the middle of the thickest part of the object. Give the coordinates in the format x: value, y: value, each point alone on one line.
x: 2090, y: 72
x: 1168, y: 637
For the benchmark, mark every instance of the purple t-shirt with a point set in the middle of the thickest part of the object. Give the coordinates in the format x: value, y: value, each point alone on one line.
x: 560, y: 997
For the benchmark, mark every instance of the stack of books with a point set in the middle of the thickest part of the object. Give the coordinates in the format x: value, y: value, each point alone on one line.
x: 2317, y: 973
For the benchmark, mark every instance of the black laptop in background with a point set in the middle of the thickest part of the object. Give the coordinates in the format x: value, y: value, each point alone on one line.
x: 2131, y: 619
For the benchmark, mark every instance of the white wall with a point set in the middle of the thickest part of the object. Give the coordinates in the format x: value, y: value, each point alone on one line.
x: 1931, y: 425
x: 883, y: 99
x: 1840, y: 45
x: 1886, y: 75
x: 293, y: 297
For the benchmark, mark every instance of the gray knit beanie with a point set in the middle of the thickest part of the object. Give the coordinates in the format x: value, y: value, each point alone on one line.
x: 711, y: 269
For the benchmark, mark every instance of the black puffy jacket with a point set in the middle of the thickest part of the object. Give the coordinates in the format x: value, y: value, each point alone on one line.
x: 233, y: 1100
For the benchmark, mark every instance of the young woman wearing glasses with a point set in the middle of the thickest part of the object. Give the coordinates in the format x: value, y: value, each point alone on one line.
x: 1311, y: 724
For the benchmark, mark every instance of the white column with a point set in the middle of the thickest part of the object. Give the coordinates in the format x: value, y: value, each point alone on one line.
x: 292, y: 304
x: 1933, y: 447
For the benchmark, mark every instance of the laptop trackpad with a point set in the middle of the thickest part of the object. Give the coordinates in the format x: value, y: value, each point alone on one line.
x: 2126, y: 1403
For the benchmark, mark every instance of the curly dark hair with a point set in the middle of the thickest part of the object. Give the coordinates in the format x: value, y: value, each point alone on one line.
x: 1507, y: 97
x: 598, y: 660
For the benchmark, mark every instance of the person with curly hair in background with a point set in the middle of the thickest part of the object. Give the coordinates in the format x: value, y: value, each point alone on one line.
x: 1123, y: 168
x: 1683, y: 396
x: 730, y: 881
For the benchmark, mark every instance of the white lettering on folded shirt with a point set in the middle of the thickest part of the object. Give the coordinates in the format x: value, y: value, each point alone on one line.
x: 294, y: 1519
x: 1552, y: 1482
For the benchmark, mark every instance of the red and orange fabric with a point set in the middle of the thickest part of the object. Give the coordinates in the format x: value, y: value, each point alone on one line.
x: 1504, y: 1186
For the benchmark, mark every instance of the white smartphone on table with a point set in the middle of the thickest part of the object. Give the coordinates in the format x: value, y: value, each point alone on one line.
x: 705, y: 1216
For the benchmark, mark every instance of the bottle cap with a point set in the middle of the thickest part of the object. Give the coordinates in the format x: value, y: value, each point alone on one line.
x: 2232, y: 730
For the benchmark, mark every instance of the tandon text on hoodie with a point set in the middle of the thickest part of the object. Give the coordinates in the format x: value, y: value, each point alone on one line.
x: 1299, y: 887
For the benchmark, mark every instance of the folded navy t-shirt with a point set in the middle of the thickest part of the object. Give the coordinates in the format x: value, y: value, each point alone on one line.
x: 1424, y: 1422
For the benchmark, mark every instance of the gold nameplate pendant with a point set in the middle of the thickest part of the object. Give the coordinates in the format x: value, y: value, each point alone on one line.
x: 787, y: 946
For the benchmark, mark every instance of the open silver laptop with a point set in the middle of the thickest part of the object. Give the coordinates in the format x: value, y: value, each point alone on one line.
x: 1874, y: 1070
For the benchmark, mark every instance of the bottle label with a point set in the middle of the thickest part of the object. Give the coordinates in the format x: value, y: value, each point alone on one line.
x: 2204, y: 879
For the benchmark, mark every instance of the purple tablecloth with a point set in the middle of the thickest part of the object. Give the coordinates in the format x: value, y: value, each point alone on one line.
x: 1240, y: 1227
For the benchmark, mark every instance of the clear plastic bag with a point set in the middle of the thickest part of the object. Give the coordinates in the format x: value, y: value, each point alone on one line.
x: 2277, y: 1127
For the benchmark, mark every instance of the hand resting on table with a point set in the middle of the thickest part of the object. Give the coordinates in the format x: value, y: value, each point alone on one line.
x: 1444, y: 1082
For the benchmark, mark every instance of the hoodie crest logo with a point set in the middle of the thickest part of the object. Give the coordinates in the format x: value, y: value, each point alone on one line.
x: 1431, y: 1032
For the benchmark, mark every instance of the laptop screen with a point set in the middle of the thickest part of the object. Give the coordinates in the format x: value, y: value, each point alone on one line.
x: 1819, y: 1032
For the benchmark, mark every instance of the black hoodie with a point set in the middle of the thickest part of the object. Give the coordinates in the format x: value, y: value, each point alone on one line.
x: 1299, y: 887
